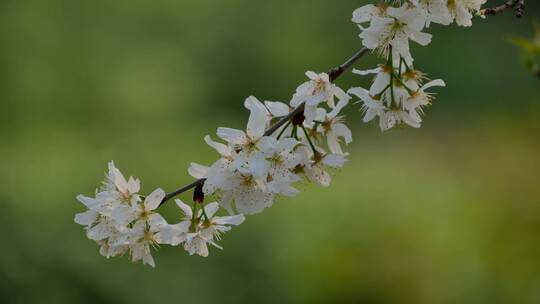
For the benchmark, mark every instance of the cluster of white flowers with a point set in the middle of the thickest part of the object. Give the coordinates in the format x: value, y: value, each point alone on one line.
x: 398, y: 93
x: 120, y: 220
x: 256, y: 165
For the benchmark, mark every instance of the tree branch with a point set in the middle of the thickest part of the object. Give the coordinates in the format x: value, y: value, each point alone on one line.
x: 517, y: 5
x: 182, y: 190
x: 334, y: 74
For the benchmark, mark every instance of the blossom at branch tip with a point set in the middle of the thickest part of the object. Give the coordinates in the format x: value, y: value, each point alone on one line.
x: 437, y: 11
x: 463, y: 10
x: 120, y: 222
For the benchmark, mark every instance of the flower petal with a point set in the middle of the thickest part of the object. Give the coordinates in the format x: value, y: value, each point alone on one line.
x: 154, y: 199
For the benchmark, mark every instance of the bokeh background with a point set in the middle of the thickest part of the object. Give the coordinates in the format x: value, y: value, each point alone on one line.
x: 449, y: 213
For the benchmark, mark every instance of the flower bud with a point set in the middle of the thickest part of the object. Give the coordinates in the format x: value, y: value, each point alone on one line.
x: 198, y: 194
x: 298, y: 119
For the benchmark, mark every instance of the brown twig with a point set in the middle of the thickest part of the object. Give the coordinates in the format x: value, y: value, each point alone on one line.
x: 517, y: 5
x: 334, y: 74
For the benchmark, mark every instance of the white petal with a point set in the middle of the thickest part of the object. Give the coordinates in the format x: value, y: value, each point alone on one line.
x: 86, y: 218
x: 119, y: 180
x: 434, y: 83
x: 267, y: 144
x: 123, y: 215
x: 333, y: 143
x: 317, y: 175
x: 87, y: 201
x: 277, y: 109
x: 185, y: 208
x: 219, y: 147
x: 310, y: 112
x: 421, y: 38
x: 157, y: 221
x: 133, y: 185
x: 364, y: 13
x: 230, y: 220
x: 225, y: 201
x: 252, y: 200
x: 334, y: 160
x: 173, y: 234
x: 370, y: 114
x: 233, y: 136
x: 154, y: 199
x: 342, y: 130
x: 253, y: 104
x: 361, y: 93
x: 409, y: 120
x: 286, y: 144
x: 101, y: 231
x: 341, y: 104
x: 382, y: 80
x: 198, y: 171
x: 312, y: 75
x: 258, y: 118
x: 211, y: 209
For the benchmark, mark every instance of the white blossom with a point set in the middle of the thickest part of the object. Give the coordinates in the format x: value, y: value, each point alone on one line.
x: 205, y: 227
x: 333, y: 128
x: 420, y: 99
x: 315, y: 91
x: 462, y: 10
x: 366, y: 13
x: 437, y: 11
x: 395, y: 30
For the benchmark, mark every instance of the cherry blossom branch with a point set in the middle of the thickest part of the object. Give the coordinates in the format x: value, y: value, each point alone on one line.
x: 333, y: 74
x: 517, y: 5
x: 255, y: 165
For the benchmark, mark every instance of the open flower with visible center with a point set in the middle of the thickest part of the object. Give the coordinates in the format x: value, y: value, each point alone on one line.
x: 333, y: 128
x: 396, y: 116
x: 205, y: 227
x: 389, y: 116
x: 372, y: 106
x: 313, y: 165
x: 121, y: 190
x: 146, y: 231
x: 420, y: 99
x: 250, y: 145
x: 436, y: 11
x: 100, y: 227
x: 124, y: 215
x: 394, y: 31
x: 116, y: 197
x: 282, y: 159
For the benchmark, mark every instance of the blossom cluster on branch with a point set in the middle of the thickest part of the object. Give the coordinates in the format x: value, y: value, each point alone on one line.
x: 283, y: 144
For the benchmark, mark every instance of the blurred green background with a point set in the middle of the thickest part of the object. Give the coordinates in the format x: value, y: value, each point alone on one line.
x: 445, y: 214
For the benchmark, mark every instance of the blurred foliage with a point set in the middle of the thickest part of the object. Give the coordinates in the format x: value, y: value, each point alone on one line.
x: 530, y: 48
x: 445, y: 214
